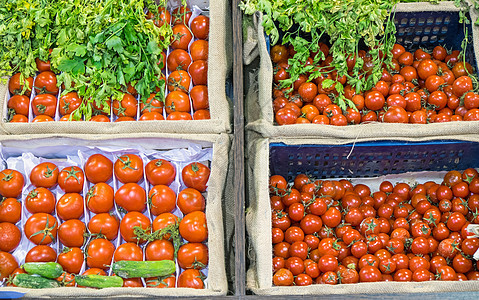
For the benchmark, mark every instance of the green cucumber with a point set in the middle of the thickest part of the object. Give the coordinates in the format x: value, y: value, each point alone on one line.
x: 133, y: 269
x: 99, y: 281
x: 46, y: 269
x: 34, y: 282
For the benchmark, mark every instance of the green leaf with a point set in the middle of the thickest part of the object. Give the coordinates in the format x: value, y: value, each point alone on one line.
x: 114, y: 43
x: 74, y: 66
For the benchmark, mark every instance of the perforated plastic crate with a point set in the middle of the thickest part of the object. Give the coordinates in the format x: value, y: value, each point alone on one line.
x: 370, y: 159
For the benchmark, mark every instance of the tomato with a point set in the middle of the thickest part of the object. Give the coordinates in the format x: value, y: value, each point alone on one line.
x: 131, y: 197
x: 42, y: 118
x: 448, y: 248
x: 8, y: 264
x: 200, y: 26
x: 462, y: 69
x: 178, y: 59
x: 162, y: 17
x: 181, y: 15
x: 193, y: 227
x: 44, y: 175
x: 159, y: 250
x: 127, y: 227
x: 160, y: 171
x: 177, y: 101
x: 128, y: 251
x: 162, y: 199
x: 190, y: 200
x: 193, y: 255
x: 18, y: 119
x: 179, y: 80
x: 191, y: 278
x: 100, y: 118
x: 374, y: 100
x: 151, y: 116
x: 71, y: 179
x: 369, y: 274
x: 16, y: 85
x: 69, y: 103
x: 99, y: 198
x: 18, y: 104
x: 462, y: 85
x: 46, y: 82
x: 132, y: 282
x: 179, y: 115
x: 10, y: 210
x: 10, y: 237
x: 41, y: 253
x: 199, y: 72
x: 104, y: 224
x: 129, y: 168
x: 199, y: 97
x: 11, y: 183
x: 199, y: 50
x: 160, y: 282
x: 446, y: 273
x: 71, y: 233
x: 152, y: 104
x: 66, y: 279
x: 99, y: 253
x: 195, y: 175
x: 94, y: 271
x: 181, y: 37
x: 126, y: 107
x: 44, y: 104
x: 41, y: 228
x: 395, y: 114
x: 285, y: 116
x: 71, y: 259
x: 40, y: 200
x: 98, y: 168
x: 472, y: 115
x: 70, y: 206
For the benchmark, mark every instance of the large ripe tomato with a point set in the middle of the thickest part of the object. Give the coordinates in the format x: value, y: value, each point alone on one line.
x: 152, y: 104
x: 128, y: 251
x: 396, y: 114
x: 71, y: 233
x: 41, y: 253
x: 69, y: 102
x: 11, y: 183
x: 131, y: 197
x: 71, y: 179
x: 165, y: 220
x: 193, y: 227
x: 191, y: 278
x: 179, y: 80
x: 19, y: 104
x: 193, y: 256
x: 181, y: 15
x: 40, y: 200
x: 44, y: 175
x: 190, y: 200
x: 10, y: 237
x: 374, y: 100
x: 46, y: 82
x: 199, y: 72
x: 99, y: 253
x: 133, y: 226
x: 199, y: 50
x: 195, y: 175
x: 201, y: 27
x: 8, y: 264
x: 181, y: 37
x: 10, y: 210
x: 160, y: 171
x: 127, y: 107
x: 199, y: 97
x: 99, y: 198
x: 41, y: 229
x: 70, y: 206
x: 16, y: 84
x: 129, y: 168
x: 462, y: 85
x: 160, y: 282
x: 178, y: 59
x: 162, y: 199
x: 177, y: 101
x: 71, y: 259
x: 104, y: 224
x: 160, y: 250
x: 98, y: 168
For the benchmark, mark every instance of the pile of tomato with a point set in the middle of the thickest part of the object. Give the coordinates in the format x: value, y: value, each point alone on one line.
x: 91, y: 225
x: 331, y: 232
x: 419, y: 87
x: 185, y: 66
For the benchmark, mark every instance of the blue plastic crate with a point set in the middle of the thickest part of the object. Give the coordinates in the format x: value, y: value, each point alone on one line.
x: 371, y: 159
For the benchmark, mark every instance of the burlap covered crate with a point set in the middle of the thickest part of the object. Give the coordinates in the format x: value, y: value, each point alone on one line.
x: 218, y: 147
x: 328, y: 158
x: 420, y: 23
x: 219, y: 67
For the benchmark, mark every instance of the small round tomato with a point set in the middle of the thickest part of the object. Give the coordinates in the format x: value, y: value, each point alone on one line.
x: 195, y: 175
x: 177, y: 101
x: 128, y: 251
x: 199, y: 50
x: 98, y: 168
x: 199, y: 97
x: 40, y: 200
x: 71, y: 259
x: 71, y: 179
x: 46, y: 82
x: 193, y: 256
x: 129, y: 168
x: 71, y: 233
x: 190, y: 200
x: 131, y: 197
x: 69, y: 102
x: 193, y: 227
x: 191, y: 278
x: 10, y: 210
x: 162, y: 199
x: 44, y: 175
x: 160, y: 250
x: 41, y: 228
x: 127, y: 227
x: 181, y: 37
x: 374, y: 100
x: 181, y: 15
x: 152, y: 104
x: 99, y: 198
x: 164, y: 220
x: 70, y: 206
x: 199, y: 72
x: 200, y: 26
x: 8, y: 264
x: 160, y: 171
x: 17, y: 83
x: 126, y: 107
x: 426, y: 68
x: 11, y: 183
x: 41, y: 253
x: 178, y: 59
x: 18, y: 104
x: 179, y: 80
x: 104, y: 224
x: 10, y: 237
x: 99, y: 253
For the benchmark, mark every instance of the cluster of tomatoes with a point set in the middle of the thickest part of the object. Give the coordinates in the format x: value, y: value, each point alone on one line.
x: 186, y: 67
x: 330, y: 232
x: 417, y: 88
x: 103, y: 225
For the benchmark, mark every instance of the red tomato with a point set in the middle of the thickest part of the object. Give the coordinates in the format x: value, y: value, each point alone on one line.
x: 98, y: 168
x: 129, y: 168
x: 200, y: 26
x: 178, y: 59
x: 193, y: 255
x: 11, y: 183
x: 181, y: 37
x: 193, y: 227
x: 46, y: 82
x: 160, y: 250
x: 40, y: 200
x: 127, y: 107
x: 191, y: 278
x: 71, y: 179
x: 71, y: 233
x: 160, y: 171
x: 199, y: 50
x: 99, y: 198
x: 199, y: 72
x: 128, y: 251
x: 127, y: 227
x: 131, y: 197
x: 69, y: 103
x: 41, y: 228
x: 10, y: 237
x: 44, y: 175
x: 196, y: 175
x: 71, y: 259
x: 17, y: 83
x: 41, y: 253
x: 104, y: 224
x: 10, y: 210
x: 18, y: 104
x: 8, y: 264
x: 70, y: 206
x: 162, y: 199
x: 99, y: 253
